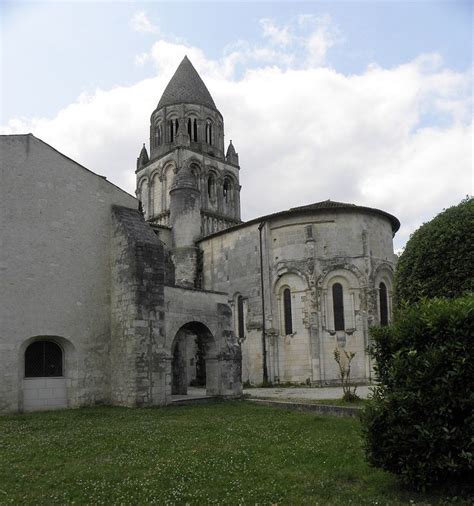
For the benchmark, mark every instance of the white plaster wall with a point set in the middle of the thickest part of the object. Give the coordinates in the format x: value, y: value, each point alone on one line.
x: 54, y: 265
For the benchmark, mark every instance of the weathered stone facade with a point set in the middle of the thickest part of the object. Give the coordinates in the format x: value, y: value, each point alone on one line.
x: 84, y: 276
x: 307, y: 250
x: 106, y: 299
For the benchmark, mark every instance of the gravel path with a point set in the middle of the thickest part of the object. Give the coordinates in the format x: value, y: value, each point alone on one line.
x: 304, y: 393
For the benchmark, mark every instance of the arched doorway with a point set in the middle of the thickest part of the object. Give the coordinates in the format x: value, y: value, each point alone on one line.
x: 193, y: 360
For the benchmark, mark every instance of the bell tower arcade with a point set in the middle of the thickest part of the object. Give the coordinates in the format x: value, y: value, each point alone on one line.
x: 187, y: 133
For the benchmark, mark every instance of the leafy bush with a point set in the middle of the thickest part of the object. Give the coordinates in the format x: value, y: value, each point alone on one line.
x: 344, y: 364
x: 420, y: 422
x: 438, y: 260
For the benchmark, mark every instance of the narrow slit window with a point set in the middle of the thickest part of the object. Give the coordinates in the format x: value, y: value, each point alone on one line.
x: 383, y: 304
x: 171, y: 131
x: 287, y: 311
x: 338, y: 306
x: 240, y: 317
x: 195, y: 130
x: 189, y: 129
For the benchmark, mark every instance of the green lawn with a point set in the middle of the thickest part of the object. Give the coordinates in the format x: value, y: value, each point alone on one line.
x: 224, y: 453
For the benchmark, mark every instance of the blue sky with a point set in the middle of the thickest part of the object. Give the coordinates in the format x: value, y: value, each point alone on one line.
x: 54, y: 51
x: 386, y: 86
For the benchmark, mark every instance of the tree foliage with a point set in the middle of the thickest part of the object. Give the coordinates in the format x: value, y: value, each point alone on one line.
x: 438, y: 260
x: 420, y: 422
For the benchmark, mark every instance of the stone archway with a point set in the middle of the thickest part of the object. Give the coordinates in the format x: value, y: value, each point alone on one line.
x: 193, y: 359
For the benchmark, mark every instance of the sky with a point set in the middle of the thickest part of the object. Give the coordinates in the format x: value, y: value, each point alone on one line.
x: 361, y: 102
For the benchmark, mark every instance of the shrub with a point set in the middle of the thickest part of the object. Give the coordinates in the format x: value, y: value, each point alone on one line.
x: 344, y: 364
x: 438, y: 260
x: 420, y: 421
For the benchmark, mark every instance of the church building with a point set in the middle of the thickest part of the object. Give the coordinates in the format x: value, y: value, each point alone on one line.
x: 325, y: 269
x: 108, y: 299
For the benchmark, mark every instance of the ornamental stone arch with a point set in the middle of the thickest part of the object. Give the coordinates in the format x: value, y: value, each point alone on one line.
x: 143, y: 194
x: 341, y: 300
x: 211, y: 185
x: 383, y: 293
x: 283, y: 271
x: 169, y: 172
x: 156, y: 192
x: 195, y: 167
x: 289, y: 291
x: 346, y: 267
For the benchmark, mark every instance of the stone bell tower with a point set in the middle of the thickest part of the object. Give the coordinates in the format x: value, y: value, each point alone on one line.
x: 188, y: 183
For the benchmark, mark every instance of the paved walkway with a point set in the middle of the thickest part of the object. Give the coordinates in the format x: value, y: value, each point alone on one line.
x: 292, y: 394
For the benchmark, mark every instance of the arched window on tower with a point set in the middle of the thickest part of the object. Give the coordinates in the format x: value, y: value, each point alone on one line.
x: 43, y: 359
x: 211, y: 188
x: 173, y: 129
x: 287, y: 318
x: 144, y: 197
x: 338, y: 306
x: 383, y: 304
x: 190, y: 129
x: 240, y: 317
x: 195, y: 130
x: 158, y: 135
x: 226, y: 191
x: 208, y: 132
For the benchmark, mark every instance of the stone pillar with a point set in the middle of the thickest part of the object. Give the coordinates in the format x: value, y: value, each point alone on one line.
x: 185, y: 220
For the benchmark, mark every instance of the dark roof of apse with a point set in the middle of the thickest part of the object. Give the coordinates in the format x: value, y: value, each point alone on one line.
x: 325, y: 205
x: 186, y: 87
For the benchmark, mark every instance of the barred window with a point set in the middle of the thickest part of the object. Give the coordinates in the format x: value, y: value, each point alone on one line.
x: 240, y: 317
x: 287, y: 311
x: 43, y: 359
x: 338, y: 306
x: 383, y: 304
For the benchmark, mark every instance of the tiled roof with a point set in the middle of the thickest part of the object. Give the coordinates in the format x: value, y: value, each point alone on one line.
x: 186, y: 87
x: 329, y: 205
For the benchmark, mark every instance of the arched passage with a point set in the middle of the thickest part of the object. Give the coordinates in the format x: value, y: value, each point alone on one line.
x: 194, y: 360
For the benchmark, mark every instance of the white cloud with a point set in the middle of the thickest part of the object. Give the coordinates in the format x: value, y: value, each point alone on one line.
x: 303, y: 133
x: 322, y: 36
x: 140, y: 23
x: 276, y: 35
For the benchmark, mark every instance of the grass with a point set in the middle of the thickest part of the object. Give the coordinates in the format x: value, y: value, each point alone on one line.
x: 224, y: 453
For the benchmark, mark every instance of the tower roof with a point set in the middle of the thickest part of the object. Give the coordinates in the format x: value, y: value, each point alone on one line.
x: 186, y: 86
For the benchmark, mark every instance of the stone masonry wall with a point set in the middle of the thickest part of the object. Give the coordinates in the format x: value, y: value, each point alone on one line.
x: 139, y: 363
x: 55, y: 222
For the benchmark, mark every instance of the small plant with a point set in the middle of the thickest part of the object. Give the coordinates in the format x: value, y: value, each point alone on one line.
x: 344, y: 363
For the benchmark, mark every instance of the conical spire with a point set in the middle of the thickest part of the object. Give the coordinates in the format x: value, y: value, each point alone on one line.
x: 143, y: 158
x: 231, y: 156
x: 186, y: 87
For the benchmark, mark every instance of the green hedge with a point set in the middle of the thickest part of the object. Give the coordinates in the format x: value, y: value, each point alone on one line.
x: 438, y: 260
x: 420, y: 422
